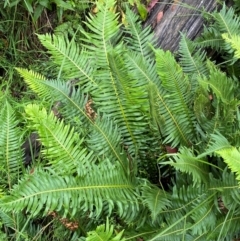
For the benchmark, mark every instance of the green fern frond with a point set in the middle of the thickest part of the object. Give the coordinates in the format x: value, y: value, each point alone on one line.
x: 217, y: 142
x: 130, y: 107
x: 227, y: 21
x: 96, y: 140
x: 72, y: 101
x: 185, y: 218
x: 226, y: 228
x: 220, y: 85
x: 11, y: 155
x: 192, y: 60
x: 174, y: 102
x: 203, y: 218
x: 73, y: 109
x: 140, y: 37
x: 232, y: 157
x: 104, y: 232
x: 156, y: 200
x: 8, y: 219
x: 234, y: 41
x: 105, y: 29
x: 203, y: 108
x: 70, y: 156
x: 210, y: 38
x: 221, y: 105
x: 72, y: 61
x: 228, y: 190
x: 142, y: 69
x: 155, y: 116
x: 227, y: 204
x: 45, y: 192
x: 185, y: 161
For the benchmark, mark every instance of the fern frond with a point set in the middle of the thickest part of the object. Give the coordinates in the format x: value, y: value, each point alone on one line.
x: 185, y: 219
x: 232, y: 157
x: 228, y: 190
x: 192, y: 60
x: 73, y: 62
x: 11, y: 155
x: 129, y: 106
x: 155, y: 199
x: 45, y: 192
x: 227, y: 21
x: 100, y: 142
x: 227, y: 205
x: 104, y: 232
x: 142, y: 69
x: 63, y: 147
x: 73, y: 109
x: 217, y: 142
x: 175, y: 100
x: 234, y: 41
x: 104, y: 32
x: 138, y: 38
x: 220, y: 85
x: 185, y: 161
x: 226, y: 228
x: 210, y: 38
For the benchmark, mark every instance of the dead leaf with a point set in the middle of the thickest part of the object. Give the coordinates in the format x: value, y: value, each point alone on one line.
x: 89, y: 110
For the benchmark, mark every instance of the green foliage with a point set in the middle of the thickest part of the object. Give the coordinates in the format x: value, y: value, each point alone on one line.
x: 104, y: 232
x: 119, y: 118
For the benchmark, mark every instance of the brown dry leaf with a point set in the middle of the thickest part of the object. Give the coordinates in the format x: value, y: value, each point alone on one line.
x: 89, y: 110
x: 71, y: 225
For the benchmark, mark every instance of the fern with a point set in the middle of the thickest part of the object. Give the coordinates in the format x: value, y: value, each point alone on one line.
x: 106, y: 123
x: 234, y: 41
x: 192, y: 59
x: 54, y: 135
x: 185, y: 161
x: 225, y: 22
x: 104, y: 232
x: 11, y: 154
x: 178, y: 123
x: 231, y: 157
x: 73, y: 106
x: 48, y: 192
x: 156, y: 200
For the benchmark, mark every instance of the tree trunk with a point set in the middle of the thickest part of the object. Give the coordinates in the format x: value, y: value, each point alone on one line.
x: 169, y: 18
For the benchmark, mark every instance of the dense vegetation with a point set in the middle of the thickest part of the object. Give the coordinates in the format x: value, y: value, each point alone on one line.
x: 135, y: 143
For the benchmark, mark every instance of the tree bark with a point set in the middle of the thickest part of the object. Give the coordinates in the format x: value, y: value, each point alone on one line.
x: 169, y: 18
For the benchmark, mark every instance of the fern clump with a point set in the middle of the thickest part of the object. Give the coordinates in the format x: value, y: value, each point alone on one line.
x: 120, y: 114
